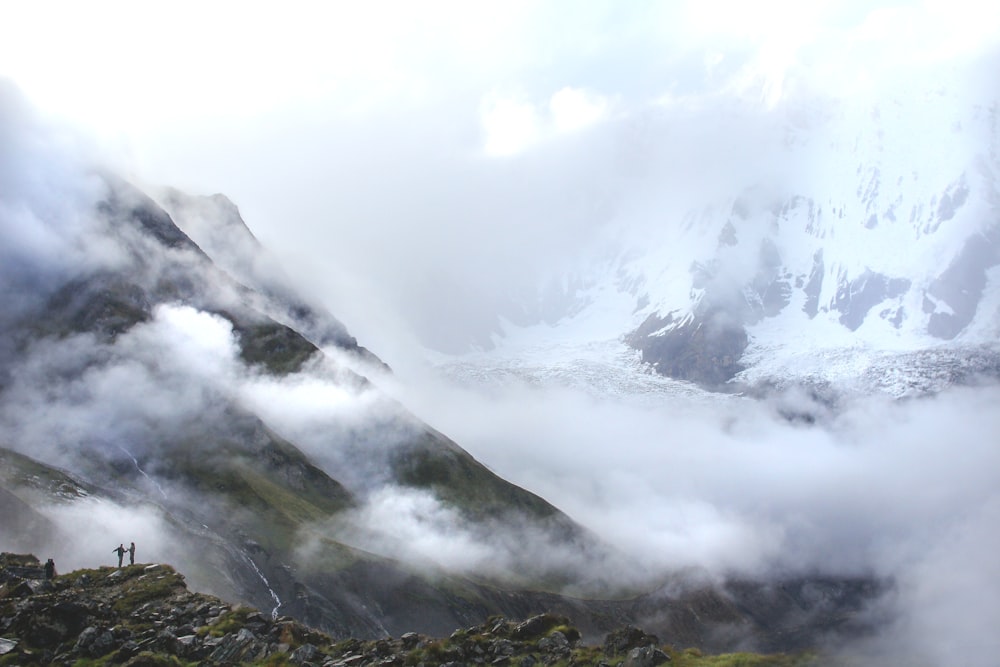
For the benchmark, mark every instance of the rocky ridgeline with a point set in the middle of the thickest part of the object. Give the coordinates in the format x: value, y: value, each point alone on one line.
x: 144, y: 615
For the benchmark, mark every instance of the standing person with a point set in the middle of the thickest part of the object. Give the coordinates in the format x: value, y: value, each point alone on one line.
x: 120, y: 550
x: 131, y: 553
x: 50, y: 569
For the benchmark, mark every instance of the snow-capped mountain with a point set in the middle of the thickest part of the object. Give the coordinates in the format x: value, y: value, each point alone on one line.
x: 864, y: 233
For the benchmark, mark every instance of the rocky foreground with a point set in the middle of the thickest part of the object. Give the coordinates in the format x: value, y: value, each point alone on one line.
x: 144, y: 615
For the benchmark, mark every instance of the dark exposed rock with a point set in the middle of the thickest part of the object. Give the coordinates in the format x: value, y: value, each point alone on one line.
x: 304, y: 654
x: 104, y: 643
x: 813, y: 288
x: 556, y: 642
x: 127, y: 206
x: 104, y: 303
x: 959, y: 288
x: 627, y: 638
x: 279, y: 348
x: 855, y: 298
x: 537, y: 625
x: 144, y: 616
x: 16, y: 589
x: 645, y: 656
x: 702, y: 349
x: 236, y: 648
x: 952, y: 199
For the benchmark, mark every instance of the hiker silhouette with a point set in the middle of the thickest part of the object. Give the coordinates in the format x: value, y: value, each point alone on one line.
x: 131, y: 553
x: 120, y: 550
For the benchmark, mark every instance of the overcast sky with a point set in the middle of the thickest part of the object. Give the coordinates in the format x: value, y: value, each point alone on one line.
x: 413, y: 161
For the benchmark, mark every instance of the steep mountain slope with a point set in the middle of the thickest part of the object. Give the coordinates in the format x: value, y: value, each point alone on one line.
x: 215, y: 224
x: 141, y: 365
x: 349, y: 593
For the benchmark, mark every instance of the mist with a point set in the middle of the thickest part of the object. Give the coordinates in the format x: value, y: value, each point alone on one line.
x: 900, y: 490
x: 423, y: 175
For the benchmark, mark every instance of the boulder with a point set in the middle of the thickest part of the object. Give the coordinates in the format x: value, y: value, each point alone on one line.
x: 306, y: 653
x: 556, y: 642
x: 503, y: 647
x: 16, y: 589
x: 234, y: 647
x: 86, y: 638
x: 537, y: 626
x: 645, y: 656
x: 627, y: 638
x: 103, y: 644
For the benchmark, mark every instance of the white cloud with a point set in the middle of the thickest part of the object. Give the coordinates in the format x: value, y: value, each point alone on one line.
x: 199, y: 343
x: 415, y: 527
x: 573, y: 109
x: 727, y: 484
x: 510, y: 124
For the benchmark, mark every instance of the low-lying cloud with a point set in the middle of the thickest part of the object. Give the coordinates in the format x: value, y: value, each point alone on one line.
x: 900, y: 490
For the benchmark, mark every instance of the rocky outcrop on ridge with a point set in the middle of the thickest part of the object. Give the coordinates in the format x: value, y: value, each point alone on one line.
x: 144, y: 615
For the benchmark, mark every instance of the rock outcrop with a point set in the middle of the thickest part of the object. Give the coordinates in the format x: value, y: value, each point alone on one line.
x: 144, y: 614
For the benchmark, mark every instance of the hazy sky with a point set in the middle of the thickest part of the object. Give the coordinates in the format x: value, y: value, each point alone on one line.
x: 412, y: 161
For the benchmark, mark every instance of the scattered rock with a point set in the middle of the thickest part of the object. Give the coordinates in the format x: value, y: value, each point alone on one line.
x: 538, y: 625
x: 19, y: 589
x: 556, y: 642
x: 141, y: 617
x: 304, y: 654
x: 645, y: 656
x: 625, y: 639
